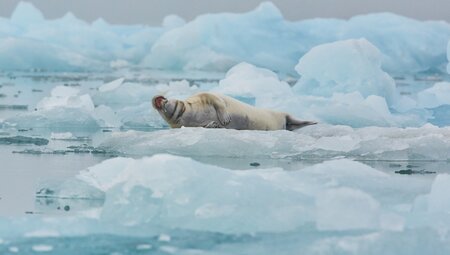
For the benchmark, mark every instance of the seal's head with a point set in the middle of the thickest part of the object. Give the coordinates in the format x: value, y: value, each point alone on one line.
x: 171, y: 110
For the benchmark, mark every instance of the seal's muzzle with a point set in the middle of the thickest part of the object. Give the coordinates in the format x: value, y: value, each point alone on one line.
x: 158, y: 102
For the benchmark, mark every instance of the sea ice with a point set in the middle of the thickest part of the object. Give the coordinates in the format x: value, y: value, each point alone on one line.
x: 319, y: 141
x: 169, y: 191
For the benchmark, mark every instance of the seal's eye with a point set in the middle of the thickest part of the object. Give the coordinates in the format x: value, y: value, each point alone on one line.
x: 159, y: 102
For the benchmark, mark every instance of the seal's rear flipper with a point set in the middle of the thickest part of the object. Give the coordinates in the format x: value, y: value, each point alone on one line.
x: 293, y: 124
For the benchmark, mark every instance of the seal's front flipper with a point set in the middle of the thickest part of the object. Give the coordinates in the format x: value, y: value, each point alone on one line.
x: 220, y: 107
x: 213, y: 124
x: 223, y: 115
x: 293, y: 124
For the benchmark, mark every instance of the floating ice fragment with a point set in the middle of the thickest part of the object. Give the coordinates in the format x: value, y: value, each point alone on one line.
x: 42, y: 248
x: 164, y: 238
x: 62, y: 96
x: 62, y: 136
x: 119, y: 63
x: 143, y: 247
x: 13, y: 249
x: 42, y: 233
x: 106, y: 117
x: 111, y: 85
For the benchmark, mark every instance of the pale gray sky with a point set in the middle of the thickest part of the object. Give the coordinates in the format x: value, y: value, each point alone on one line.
x: 152, y: 11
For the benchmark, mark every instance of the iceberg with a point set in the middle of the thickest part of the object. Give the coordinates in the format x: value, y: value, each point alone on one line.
x: 344, y: 67
x: 29, y: 54
x: 212, y: 41
x: 68, y: 44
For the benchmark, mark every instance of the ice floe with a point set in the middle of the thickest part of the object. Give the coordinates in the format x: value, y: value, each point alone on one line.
x: 165, y: 191
x: 316, y: 142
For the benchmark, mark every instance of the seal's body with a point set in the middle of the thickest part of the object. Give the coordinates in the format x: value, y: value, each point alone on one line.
x: 219, y: 111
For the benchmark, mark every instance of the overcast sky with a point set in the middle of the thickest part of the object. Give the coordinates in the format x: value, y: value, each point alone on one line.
x: 152, y: 11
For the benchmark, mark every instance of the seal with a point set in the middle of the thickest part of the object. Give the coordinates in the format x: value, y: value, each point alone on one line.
x: 210, y: 110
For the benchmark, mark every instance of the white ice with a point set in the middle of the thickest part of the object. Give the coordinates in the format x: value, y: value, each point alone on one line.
x: 315, y: 142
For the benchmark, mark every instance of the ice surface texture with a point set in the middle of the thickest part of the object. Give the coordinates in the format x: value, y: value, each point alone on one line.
x: 212, y: 41
x: 165, y: 192
x: 315, y: 142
